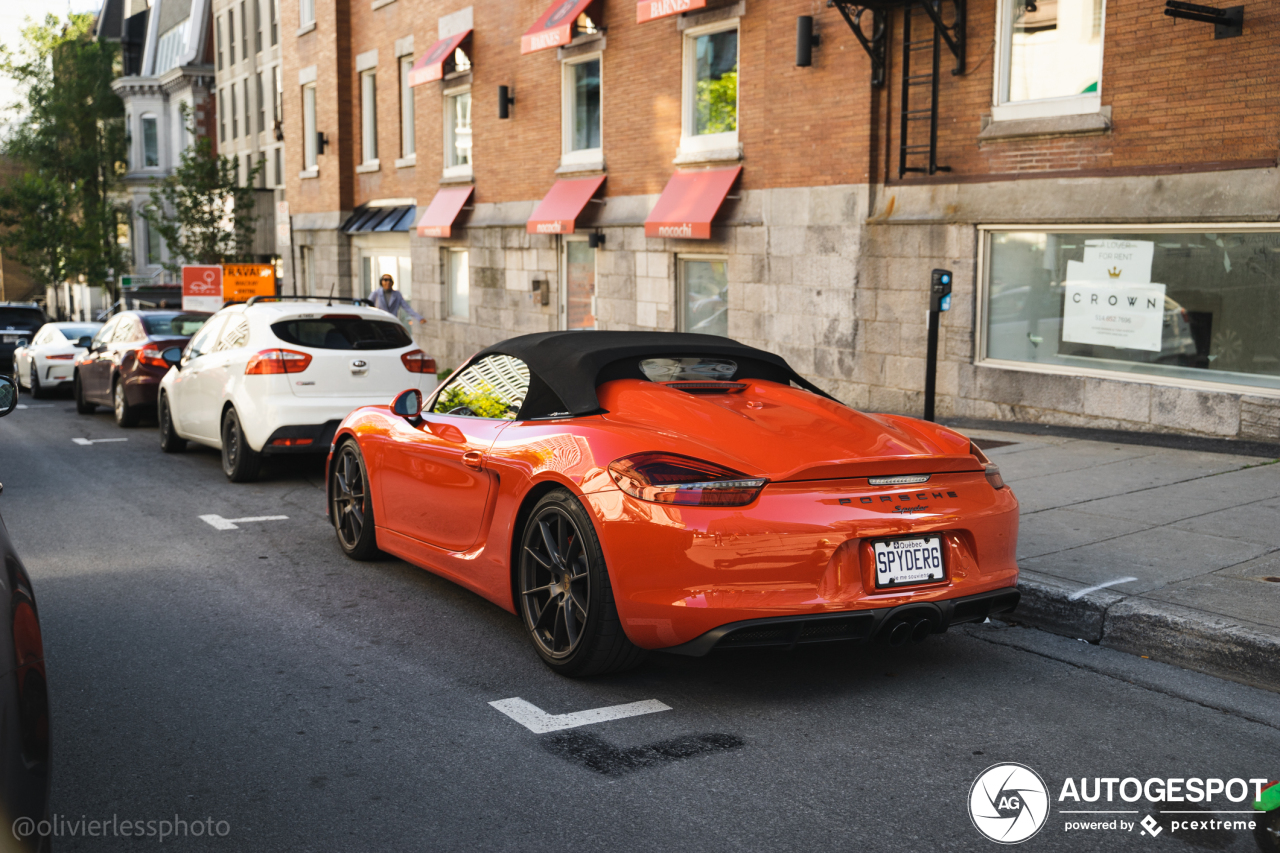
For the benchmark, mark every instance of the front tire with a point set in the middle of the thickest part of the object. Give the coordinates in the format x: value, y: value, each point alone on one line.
x: 126, y: 415
x: 240, y: 462
x: 170, y: 441
x: 82, y: 406
x: 564, y: 595
x: 351, y: 505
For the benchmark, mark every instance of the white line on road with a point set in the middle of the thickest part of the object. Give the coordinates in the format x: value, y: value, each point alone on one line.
x: 220, y: 523
x: 540, y: 722
x: 1081, y: 593
x: 36, y: 406
x: 85, y: 442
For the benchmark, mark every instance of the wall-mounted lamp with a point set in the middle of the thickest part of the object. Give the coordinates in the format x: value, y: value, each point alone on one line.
x: 595, y: 241
x: 806, y: 41
x: 321, y: 141
x: 279, y: 131
x: 1227, y: 23
x: 505, y: 101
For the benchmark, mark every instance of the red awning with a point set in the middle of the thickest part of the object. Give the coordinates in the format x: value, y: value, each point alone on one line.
x: 689, y: 203
x: 438, y: 219
x: 560, y: 209
x: 430, y: 66
x: 649, y: 10
x: 555, y: 27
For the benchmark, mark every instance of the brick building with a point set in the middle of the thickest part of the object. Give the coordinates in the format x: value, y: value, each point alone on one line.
x: 1102, y: 182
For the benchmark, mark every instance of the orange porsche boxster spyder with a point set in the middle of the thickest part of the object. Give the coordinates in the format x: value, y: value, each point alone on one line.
x: 626, y: 491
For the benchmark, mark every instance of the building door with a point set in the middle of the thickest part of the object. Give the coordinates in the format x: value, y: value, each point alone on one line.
x: 579, y: 299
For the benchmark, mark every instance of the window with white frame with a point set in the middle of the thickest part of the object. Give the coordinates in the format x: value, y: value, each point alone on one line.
x: 222, y: 116
x: 306, y: 12
x: 231, y: 36
x: 262, y: 106
x: 248, y: 125
x: 457, y: 133
x: 703, y: 298
x: 235, y: 114
x: 710, y: 109
x: 217, y: 37
x: 150, y: 143
x: 309, y: 126
x: 369, y: 116
x: 407, y: 145
x: 1050, y: 58
x: 582, y: 109
x: 457, y: 284
x: 275, y: 27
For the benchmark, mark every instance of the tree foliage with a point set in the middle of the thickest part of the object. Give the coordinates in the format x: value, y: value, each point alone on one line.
x: 58, y: 216
x: 717, y: 103
x: 202, y: 211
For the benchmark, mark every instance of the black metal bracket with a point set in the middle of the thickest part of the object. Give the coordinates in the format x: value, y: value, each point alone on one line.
x: 953, y: 34
x: 1227, y: 23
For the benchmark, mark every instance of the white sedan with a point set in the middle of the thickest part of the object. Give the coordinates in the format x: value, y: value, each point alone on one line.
x: 48, y: 361
x: 276, y: 376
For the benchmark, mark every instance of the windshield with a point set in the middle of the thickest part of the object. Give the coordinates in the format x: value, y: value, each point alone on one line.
x: 75, y: 333
x: 185, y: 325
x: 343, y: 332
x: 26, y: 319
x: 680, y: 369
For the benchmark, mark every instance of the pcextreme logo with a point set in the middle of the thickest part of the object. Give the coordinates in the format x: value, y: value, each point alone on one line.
x: 1008, y: 803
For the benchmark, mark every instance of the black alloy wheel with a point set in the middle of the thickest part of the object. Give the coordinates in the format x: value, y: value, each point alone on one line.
x: 36, y: 391
x: 350, y: 508
x: 565, y: 598
x: 240, y: 462
x: 126, y: 415
x: 83, y: 406
x: 170, y: 441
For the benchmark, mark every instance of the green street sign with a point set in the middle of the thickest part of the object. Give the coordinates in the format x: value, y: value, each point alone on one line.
x: 132, y: 282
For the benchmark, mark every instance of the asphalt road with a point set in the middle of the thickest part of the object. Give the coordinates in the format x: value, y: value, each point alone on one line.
x: 257, y: 677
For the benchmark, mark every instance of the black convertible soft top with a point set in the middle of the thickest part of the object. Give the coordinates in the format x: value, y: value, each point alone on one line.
x: 565, y: 368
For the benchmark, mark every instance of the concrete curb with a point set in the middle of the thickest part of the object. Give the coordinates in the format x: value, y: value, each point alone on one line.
x: 1227, y: 648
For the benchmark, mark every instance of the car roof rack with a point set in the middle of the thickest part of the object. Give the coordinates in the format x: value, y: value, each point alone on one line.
x: 254, y: 300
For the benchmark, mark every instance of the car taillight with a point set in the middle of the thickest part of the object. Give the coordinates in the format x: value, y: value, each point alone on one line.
x: 150, y: 355
x: 417, y: 361
x: 66, y: 357
x: 277, y: 361
x: 989, y: 468
x: 668, y: 478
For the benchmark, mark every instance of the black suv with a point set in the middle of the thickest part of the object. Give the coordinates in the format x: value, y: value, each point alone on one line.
x: 18, y: 321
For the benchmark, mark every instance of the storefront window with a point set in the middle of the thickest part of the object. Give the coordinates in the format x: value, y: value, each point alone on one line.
x: 1199, y: 305
x: 704, y: 296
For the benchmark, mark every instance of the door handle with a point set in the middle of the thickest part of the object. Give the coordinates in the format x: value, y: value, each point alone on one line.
x: 473, y: 459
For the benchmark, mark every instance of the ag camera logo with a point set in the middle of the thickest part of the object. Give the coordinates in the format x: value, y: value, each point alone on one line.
x: 1008, y: 803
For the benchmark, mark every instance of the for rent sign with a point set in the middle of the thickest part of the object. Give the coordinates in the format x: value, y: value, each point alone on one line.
x: 1129, y: 316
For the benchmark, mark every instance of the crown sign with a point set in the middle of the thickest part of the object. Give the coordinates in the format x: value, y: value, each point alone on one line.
x: 1114, y: 272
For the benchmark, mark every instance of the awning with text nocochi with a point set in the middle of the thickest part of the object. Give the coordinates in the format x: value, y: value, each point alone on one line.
x: 430, y: 66
x: 689, y: 203
x: 558, y: 25
x: 559, y: 210
x: 440, y: 215
x: 650, y: 10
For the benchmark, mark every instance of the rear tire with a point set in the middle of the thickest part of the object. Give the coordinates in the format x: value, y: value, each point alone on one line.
x: 126, y: 415
x: 351, y: 504
x: 82, y: 406
x: 170, y: 441
x: 37, y: 391
x: 240, y: 462
x: 564, y: 596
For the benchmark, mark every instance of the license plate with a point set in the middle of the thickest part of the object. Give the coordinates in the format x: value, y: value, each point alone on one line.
x: 12, y: 339
x: 908, y: 561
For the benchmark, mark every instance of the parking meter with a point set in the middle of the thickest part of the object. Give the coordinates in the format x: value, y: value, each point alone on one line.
x: 939, y: 301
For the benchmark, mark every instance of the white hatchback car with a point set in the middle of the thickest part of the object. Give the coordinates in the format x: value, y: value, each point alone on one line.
x: 49, y: 360
x: 277, y: 375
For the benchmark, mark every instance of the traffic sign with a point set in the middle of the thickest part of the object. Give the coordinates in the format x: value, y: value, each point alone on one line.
x: 201, y: 288
x: 242, y: 281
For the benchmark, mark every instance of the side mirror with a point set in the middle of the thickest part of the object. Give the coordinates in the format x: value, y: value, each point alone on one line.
x: 21, y: 342
x: 408, y: 405
x: 172, y: 355
x: 85, y: 341
x: 8, y: 395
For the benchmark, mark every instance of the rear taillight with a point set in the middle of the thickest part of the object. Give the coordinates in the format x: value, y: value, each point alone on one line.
x: 277, y: 361
x: 989, y: 468
x: 417, y: 361
x: 150, y: 355
x: 66, y: 357
x: 668, y: 478
x: 291, y: 442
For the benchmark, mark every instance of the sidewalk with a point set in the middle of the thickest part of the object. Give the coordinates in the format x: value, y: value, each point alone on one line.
x: 1171, y: 554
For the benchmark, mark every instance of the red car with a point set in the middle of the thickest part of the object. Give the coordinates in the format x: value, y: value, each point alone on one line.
x: 624, y: 491
x: 124, y: 365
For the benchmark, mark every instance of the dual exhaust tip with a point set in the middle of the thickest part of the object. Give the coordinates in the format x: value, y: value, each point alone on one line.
x: 898, y: 632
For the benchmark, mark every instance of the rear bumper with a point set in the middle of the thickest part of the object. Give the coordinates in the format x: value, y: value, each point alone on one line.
x: 857, y: 626
x: 321, y: 436
x: 142, y: 386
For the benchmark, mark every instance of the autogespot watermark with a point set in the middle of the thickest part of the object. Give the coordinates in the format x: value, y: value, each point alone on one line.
x: 161, y: 829
x: 1009, y: 803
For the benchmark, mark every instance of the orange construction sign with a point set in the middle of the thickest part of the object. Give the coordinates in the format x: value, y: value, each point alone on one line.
x: 241, y: 281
